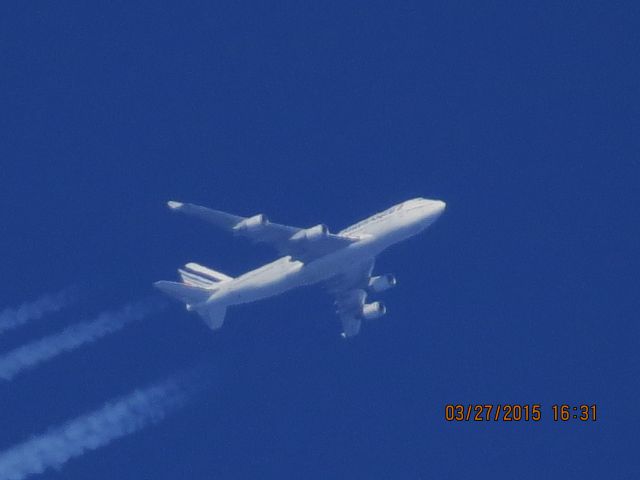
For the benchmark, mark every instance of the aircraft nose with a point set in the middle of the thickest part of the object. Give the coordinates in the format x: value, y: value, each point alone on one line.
x: 431, y: 211
x: 435, y: 208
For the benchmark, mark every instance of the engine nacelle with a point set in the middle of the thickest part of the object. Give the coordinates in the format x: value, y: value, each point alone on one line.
x: 311, y: 234
x: 371, y: 311
x: 382, y: 283
x: 252, y: 223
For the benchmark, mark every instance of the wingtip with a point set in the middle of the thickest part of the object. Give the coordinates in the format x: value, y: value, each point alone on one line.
x: 173, y: 205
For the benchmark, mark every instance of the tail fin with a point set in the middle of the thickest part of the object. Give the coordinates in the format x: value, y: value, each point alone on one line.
x: 195, y: 280
x: 207, y: 273
x: 189, y: 294
x: 199, y: 276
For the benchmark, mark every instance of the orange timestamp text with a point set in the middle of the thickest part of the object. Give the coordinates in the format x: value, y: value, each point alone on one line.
x: 516, y: 412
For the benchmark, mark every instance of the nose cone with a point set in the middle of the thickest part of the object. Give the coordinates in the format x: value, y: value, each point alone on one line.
x: 435, y: 207
x: 431, y: 210
x: 439, y: 205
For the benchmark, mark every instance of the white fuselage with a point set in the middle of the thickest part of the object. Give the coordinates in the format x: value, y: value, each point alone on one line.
x: 374, y: 235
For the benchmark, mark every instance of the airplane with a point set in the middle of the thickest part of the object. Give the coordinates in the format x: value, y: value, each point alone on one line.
x: 342, y: 262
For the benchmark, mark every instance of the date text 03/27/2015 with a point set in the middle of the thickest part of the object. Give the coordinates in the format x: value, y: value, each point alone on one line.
x: 514, y: 412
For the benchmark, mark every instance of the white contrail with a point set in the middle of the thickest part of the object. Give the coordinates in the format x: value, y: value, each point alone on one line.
x: 11, y: 318
x: 115, y: 419
x: 36, y: 352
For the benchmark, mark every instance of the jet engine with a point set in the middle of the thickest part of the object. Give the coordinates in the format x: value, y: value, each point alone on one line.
x: 311, y: 234
x: 371, y: 311
x: 382, y: 283
x: 252, y: 223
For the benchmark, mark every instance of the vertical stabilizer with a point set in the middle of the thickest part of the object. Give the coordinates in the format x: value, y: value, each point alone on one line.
x: 207, y: 272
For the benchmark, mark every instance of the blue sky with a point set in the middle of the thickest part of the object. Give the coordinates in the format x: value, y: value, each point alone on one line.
x: 523, y: 118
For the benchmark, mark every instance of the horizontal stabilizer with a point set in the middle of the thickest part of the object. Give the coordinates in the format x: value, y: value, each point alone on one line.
x: 186, y: 293
x: 209, y: 273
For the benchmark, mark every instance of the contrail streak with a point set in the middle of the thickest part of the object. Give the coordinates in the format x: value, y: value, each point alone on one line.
x: 115, y: 419
x: 11, y: 318
x: 32, y: 354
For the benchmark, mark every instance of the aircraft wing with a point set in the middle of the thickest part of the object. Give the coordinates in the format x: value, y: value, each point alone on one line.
x: 302, y: 244
x: 350, y: 294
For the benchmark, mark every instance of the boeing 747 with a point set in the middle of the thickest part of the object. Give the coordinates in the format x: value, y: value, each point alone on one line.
x: 342, y: 262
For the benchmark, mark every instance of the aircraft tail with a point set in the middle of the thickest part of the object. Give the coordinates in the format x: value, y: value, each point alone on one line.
x: 198, y: 284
